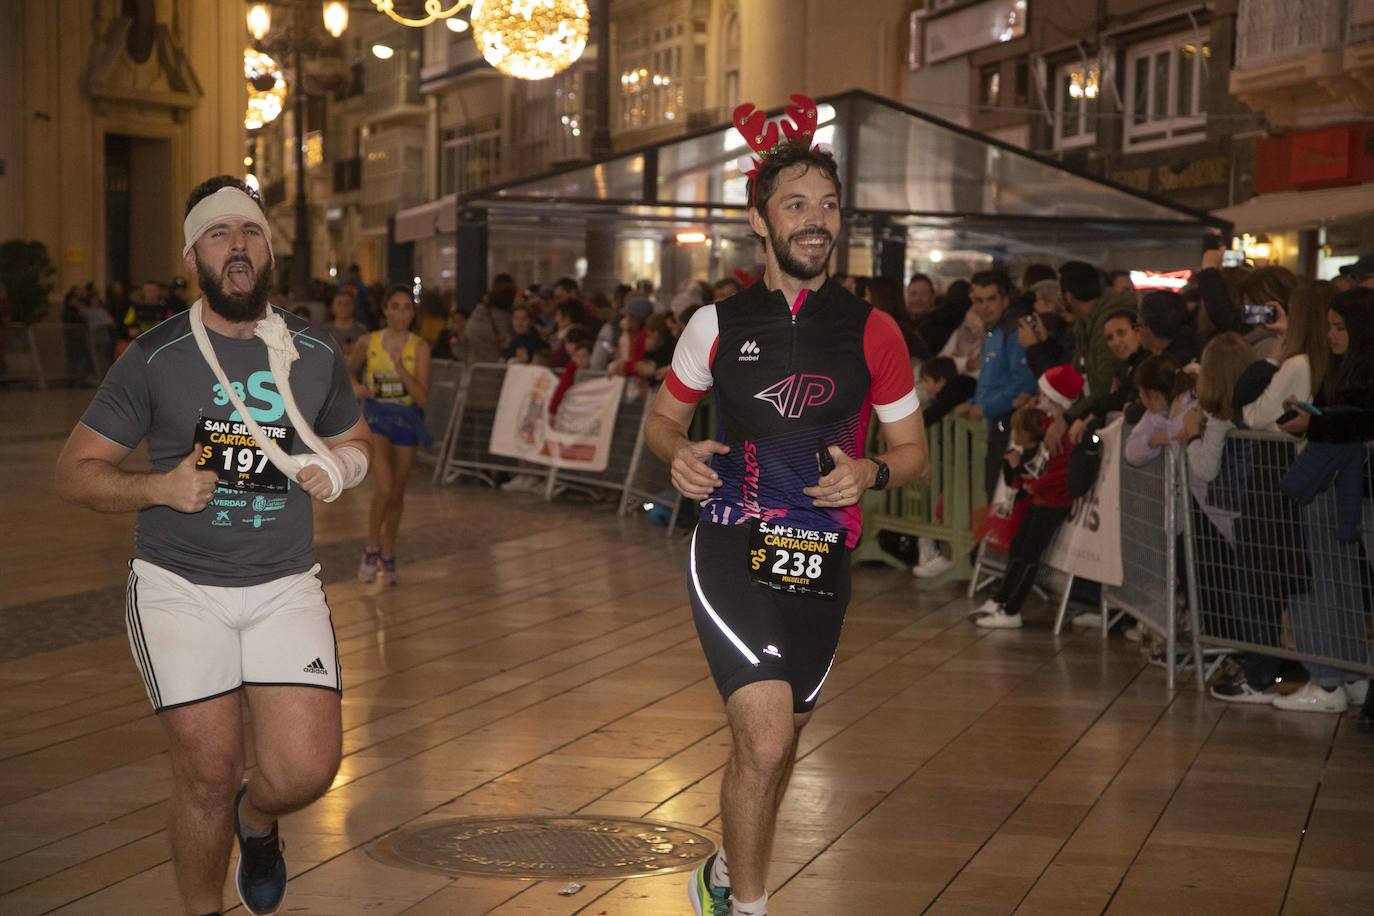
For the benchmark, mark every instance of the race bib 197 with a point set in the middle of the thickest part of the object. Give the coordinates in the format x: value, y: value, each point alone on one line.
x: 795, y: 559
x: 229, y: 449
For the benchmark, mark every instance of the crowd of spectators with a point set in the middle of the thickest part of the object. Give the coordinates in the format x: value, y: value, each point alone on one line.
x: 1046, y: 361
x: 1042, y: 362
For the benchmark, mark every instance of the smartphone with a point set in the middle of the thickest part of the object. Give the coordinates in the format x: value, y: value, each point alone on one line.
x: 1285, y: 417
x: 1260, y: 314
x: 823, y: 459
x: 1232, y: 258
x: 1032, y: 319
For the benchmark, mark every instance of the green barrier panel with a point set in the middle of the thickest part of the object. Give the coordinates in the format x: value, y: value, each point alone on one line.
x: 943, y: 509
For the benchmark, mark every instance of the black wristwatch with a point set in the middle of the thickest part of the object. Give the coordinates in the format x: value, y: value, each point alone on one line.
x: 880, y: 479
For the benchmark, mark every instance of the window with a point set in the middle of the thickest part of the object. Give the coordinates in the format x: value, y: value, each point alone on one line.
x: 1164, y: 92
x: 1076, y: 88
x: 730, y: 61
x: 468, y: 157
x: 990, y: 87
x: 652, y: 89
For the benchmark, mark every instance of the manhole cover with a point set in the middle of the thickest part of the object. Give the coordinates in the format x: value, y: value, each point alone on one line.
x: 548, y: 847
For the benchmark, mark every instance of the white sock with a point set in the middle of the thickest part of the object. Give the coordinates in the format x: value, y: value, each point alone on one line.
x: 720, y: 871
x: 757, y: 907
x: 247, y: 832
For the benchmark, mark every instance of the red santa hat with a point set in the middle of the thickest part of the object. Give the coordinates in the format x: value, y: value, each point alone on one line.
x: 1061, y: 385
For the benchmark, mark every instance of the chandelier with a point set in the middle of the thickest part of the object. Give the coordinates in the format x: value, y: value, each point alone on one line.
x: 530, y: 39
x: 266, y: 89
x: 434, y: 10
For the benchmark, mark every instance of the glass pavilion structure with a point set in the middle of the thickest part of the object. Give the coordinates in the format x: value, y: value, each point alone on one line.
x: 919, y: 193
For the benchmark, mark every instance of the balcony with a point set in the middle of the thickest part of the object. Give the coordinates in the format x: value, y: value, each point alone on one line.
x: 393, y: 175
x: 1307, y: 63
x: 391, y: 89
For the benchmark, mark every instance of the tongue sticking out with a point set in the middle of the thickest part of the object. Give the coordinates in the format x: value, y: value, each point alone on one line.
x: 239, y: 279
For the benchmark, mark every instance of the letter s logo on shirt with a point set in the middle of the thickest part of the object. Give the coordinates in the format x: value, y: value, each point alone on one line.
x: 262, y: 389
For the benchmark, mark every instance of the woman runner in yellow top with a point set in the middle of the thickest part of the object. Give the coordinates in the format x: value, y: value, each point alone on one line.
x: 395, y: 366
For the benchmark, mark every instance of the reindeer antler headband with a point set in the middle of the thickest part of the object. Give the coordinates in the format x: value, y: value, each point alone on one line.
x: 762, y: 134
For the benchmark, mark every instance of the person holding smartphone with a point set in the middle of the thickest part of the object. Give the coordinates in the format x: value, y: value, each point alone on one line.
x: 1329, y: 618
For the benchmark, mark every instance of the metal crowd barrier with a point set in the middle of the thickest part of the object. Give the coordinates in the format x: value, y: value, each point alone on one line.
x: 47, y: 353
x: 466, y: 441
x: 1149, y: 565
x: 1276, y: 578
x: 629, y: 423
x: 463, y: 445
x: 446, y: 381
x: 649, y: 479
x: 942, y: 509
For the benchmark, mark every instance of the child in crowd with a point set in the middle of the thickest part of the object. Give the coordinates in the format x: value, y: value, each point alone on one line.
x: 1215, y: 477
x: 526, y: 344
x: 945, y: 389
x: 1031, y: 467
x: 659, y: 344
x: 452, y: 341
x: 1166, y: 392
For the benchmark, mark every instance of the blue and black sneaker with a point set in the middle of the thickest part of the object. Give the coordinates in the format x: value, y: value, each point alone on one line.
x: 708, y: 900
x: 261, y: 875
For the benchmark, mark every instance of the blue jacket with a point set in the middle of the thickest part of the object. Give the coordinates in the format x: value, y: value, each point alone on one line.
x: 1005, y: 372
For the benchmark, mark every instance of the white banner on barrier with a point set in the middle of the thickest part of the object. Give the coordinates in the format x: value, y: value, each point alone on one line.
x: 1089, y: 543
x: 579, y: 437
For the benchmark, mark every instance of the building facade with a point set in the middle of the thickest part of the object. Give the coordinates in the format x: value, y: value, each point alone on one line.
x: 1203, y: 104
x: 110, y: 113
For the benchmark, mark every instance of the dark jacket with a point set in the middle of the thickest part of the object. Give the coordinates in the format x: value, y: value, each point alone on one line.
x: 1120, y: 393
x: 1048, y: 353
x: 956, y: 391
x: 1321, y: 465
x: 1217, y: 301
x: 1092, y: 356
x: 1186, y: 348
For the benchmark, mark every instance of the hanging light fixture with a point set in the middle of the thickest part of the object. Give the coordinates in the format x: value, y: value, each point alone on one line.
x: 530, y: 39
x: 434, y: 10
x: 266, y: 89
x: 259, y: 20
x: 335, y: 17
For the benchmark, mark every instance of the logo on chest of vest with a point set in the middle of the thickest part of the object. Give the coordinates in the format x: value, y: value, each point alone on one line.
x: 797, y: 392
x: 749, y: 352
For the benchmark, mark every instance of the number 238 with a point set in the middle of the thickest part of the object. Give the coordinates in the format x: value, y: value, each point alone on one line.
x: 808, y: 565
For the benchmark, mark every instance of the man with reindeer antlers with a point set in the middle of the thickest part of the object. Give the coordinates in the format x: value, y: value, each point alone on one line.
x: 798, y: 365
x: 224, y: 600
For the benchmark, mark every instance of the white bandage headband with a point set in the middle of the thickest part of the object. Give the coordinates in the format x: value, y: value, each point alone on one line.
x: 224, y: 202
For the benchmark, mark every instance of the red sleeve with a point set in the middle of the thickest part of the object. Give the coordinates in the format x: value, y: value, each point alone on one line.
x: 892, y: 384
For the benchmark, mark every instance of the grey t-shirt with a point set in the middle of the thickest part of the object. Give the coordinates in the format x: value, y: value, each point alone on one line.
x: 259, y: 525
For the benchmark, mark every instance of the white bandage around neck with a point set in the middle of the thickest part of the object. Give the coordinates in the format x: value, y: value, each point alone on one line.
x: 346, y: 466
x: 223, y: 203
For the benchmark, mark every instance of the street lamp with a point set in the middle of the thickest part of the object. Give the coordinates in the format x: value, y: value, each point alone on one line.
x: 298, y: 39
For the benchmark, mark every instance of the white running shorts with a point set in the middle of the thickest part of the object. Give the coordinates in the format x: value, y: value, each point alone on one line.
x: 197, y: 642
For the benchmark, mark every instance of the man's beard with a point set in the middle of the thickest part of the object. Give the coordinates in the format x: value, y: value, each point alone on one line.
x: 235, y: 307
x: 795, y: 267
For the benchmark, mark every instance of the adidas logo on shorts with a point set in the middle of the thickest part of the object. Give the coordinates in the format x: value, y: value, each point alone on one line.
x: 315, y: 667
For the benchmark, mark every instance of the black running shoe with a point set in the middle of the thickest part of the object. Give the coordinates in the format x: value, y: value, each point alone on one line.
x: 261, y: 875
